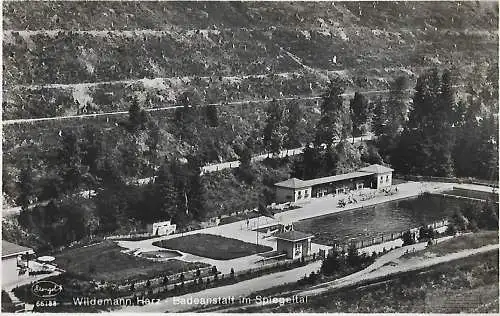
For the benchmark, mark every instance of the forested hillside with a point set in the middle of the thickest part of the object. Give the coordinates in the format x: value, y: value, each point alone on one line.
x: 177, y: 85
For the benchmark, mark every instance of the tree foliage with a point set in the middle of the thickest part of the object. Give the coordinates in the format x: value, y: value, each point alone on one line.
x: 26, y: 186
x: 274, y: 131
x: 360, y: 112
x: 334, y: 116
x: 293, y: 125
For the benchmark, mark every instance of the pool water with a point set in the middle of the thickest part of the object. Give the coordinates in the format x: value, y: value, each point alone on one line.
x: 385, y: 218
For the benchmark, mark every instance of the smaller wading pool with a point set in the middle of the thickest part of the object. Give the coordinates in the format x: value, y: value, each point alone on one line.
x: 161, y: 254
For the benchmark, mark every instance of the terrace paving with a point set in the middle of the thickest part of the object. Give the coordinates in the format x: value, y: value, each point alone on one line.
x: 476, y: 187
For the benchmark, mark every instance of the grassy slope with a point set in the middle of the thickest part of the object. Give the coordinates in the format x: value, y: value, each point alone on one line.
x: 300, y: 29
x: 212, y: 246
x: 465, y: 285
x: 469, y: 241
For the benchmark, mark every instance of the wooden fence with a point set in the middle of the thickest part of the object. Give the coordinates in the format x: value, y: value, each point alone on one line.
x: 388, y: 237
x: 192, y: 280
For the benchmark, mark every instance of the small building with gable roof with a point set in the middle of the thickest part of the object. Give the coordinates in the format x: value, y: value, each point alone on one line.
x: 294, y: 243
x: 11, y: 260
x: 294, y: 190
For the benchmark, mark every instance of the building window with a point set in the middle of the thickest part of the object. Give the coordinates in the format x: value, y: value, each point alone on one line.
x: 387, y: 178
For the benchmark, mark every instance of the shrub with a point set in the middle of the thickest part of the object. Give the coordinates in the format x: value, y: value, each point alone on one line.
x: 353, y: 258
x: 408, y: 239
x: 451, y: 230
x: 426, y: 233
x: 331, y: 263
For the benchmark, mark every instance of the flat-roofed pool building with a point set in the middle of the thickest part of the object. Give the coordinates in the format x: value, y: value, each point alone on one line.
x: 11, y: 254
x: 373, y: 176
x: 294, y: 243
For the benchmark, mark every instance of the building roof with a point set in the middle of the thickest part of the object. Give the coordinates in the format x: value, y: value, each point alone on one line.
x: 376, y: 169
x: 345, y: 176
x: 294, y: 235
x: 293, y: 183
x: 10, y: 249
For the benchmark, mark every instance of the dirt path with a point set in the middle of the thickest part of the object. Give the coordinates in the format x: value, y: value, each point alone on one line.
x: 173, y: 107
x: 395, y: 267
x: 240, y: 289
x: 167, y: 108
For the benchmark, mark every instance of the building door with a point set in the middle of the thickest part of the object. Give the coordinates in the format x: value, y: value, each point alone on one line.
x: 297, y: 251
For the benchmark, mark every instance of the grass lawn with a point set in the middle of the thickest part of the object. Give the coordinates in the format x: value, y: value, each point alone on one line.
x: 212, y: 246
x: 469, y: 241
x: 105, y: 261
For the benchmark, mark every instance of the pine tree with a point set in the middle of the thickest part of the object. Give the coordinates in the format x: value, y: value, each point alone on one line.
x: 165, y: 193
x: 331, y: 125
x: 293, y: 119
x: 426, y: 148
x: 359, y: 114
x: 379, y: 119
x: 447, y: 106
x: 196, y: 191
x: 212, y: 115
x: 396, y: 107
x: 136, y: 116
x: 26, y: 186
x: 274, y: 131
x: 153, y: 143
x: 245, y: 169
x: 71, y: 170
x: 311, y: 165
x: 187, y: 122
x: 92, y: 148
x: 486, y: 159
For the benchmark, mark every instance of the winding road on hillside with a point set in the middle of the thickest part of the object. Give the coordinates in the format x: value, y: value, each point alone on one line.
x: 173, y: 107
